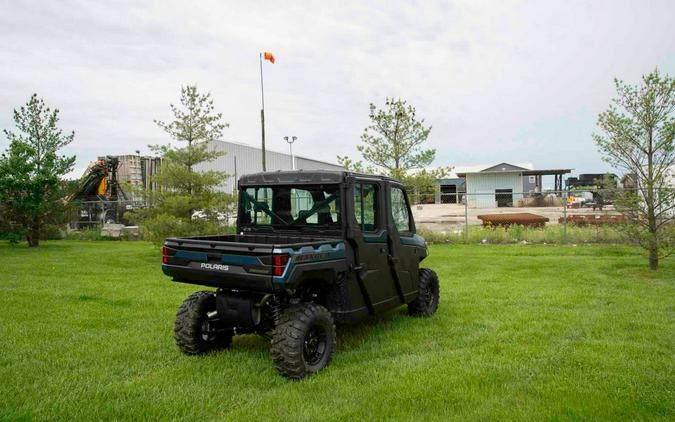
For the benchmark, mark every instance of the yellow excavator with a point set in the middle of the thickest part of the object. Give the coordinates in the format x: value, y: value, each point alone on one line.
x: 99, y: 193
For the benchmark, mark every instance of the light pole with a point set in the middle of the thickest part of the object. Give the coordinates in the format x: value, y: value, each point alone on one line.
x: 290, y: 141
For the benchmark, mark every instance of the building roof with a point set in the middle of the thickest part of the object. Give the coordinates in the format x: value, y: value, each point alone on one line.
x: 474, y: 168
x: 253, y: 147
x: 517, y: 169
x: 546, y: 172
x: 502, y: 167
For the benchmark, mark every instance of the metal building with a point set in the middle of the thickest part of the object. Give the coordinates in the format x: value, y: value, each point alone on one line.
x: 504, y: 184
x: 240, y: 159
x: 451, y: 189
x: 137, y: 170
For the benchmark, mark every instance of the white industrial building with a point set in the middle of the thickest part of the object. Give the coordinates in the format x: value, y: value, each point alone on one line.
x: 240, y: 159
x: 502, y: 185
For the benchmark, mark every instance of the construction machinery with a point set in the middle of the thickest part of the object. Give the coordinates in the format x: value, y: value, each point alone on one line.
x: 100, y: 194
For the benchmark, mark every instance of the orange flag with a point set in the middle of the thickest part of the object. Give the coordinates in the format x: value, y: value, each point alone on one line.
x: 269, y: 56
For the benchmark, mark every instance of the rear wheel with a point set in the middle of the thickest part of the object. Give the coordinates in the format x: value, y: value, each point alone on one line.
x: 428, y: 294
x: 303, y: 341
x: 194, y: 331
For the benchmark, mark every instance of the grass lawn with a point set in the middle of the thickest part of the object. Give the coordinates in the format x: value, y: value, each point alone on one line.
x: 523, y: 332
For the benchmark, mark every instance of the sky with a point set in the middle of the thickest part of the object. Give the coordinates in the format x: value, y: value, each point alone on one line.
x: 498, y: 81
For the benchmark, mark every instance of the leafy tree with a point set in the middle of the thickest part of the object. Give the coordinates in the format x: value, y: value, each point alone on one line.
x: 638, y: 131
x: 393, y: 145
x: 420, y: 184
x: 186, y: 201
x: 8, y: 230
x: 31, y: 171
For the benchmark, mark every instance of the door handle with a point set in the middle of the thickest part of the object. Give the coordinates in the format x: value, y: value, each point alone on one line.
x: 382, y: 250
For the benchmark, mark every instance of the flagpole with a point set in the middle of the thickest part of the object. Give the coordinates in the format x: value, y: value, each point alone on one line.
x: 262, y: 114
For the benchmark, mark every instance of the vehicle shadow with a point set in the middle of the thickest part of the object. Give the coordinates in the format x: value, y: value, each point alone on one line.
x: 349, y: 336
x: 353, y: 336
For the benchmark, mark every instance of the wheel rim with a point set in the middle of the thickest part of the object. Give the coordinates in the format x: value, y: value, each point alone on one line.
x: 315, y: 345
x: 207, y: 331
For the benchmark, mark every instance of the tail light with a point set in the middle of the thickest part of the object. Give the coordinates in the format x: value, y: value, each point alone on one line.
x: 279, y: 264
x: 165, y: 255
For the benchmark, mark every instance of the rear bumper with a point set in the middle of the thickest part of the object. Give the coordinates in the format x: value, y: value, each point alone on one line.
x: 231, y: 280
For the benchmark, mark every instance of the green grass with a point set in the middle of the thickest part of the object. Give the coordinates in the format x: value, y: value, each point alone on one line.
x: 552, y: 233
x: 523, y: 332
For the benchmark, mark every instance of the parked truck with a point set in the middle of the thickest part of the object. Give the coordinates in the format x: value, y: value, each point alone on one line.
x: 312, y: 249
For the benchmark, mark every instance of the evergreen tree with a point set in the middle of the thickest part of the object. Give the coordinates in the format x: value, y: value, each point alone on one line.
x: 186, y: 201
x: 31, y: 172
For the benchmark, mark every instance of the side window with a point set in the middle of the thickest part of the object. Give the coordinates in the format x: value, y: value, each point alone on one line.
x: 365, y: 206
x: 399, y: 210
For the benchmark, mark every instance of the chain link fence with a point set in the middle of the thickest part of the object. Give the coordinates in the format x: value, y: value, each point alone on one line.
x: 91, y: 214
x: 501, y: 216
x: 507, y: 216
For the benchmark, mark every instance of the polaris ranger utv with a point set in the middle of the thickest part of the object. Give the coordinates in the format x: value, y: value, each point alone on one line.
x: 313, y: 248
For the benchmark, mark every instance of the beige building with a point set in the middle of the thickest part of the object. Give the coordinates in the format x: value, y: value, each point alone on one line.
x: 137, y: 170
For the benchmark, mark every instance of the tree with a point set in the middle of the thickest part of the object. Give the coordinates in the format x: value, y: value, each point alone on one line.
x: 638, y: 130
x: 392, y: 144
x: 186, y: 201
x: 31, y: 171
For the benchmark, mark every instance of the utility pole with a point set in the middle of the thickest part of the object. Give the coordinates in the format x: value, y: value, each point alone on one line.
x: 236, y: 181
x: 290, y: 145
x: 466, y: 216
x: 262, y: 114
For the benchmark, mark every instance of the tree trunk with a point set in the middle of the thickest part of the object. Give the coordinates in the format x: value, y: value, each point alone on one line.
x: 653, y: 258
x: 653, y: 244
x: 33, y: 239
x: 33, y: 235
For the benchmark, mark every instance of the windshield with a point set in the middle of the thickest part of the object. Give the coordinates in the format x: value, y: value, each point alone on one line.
x: 291, y: 206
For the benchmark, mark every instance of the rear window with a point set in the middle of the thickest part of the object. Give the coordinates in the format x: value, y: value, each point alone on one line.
x: 291, y: 206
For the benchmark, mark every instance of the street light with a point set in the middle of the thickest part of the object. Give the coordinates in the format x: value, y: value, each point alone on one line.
x: 290, y: 141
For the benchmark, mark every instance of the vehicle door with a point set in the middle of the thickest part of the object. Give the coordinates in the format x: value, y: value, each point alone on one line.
x: 371, y: 241
x: 405, y: 246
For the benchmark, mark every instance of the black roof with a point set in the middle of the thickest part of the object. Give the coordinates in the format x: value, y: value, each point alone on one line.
x: 502, y: 167
x: 543, y: 172
x: 302, y: 177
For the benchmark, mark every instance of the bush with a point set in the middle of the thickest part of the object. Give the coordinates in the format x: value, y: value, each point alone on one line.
x: 517, y: 233
x: 11, y: 237
x: 92, y: 233
x: 161, y: 226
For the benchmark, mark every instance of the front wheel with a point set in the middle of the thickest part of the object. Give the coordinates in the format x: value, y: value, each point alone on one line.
x: 303, y: 341
x: 196, y: 331
x: 428, y: 294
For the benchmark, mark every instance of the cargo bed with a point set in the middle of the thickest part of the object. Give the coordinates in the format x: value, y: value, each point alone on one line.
x: 235, y: 261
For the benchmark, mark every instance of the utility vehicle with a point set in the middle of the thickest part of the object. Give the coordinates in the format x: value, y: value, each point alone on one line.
x: 312, y: 249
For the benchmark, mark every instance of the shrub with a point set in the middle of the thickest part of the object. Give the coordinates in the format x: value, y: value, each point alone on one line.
x: 548, y: 234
